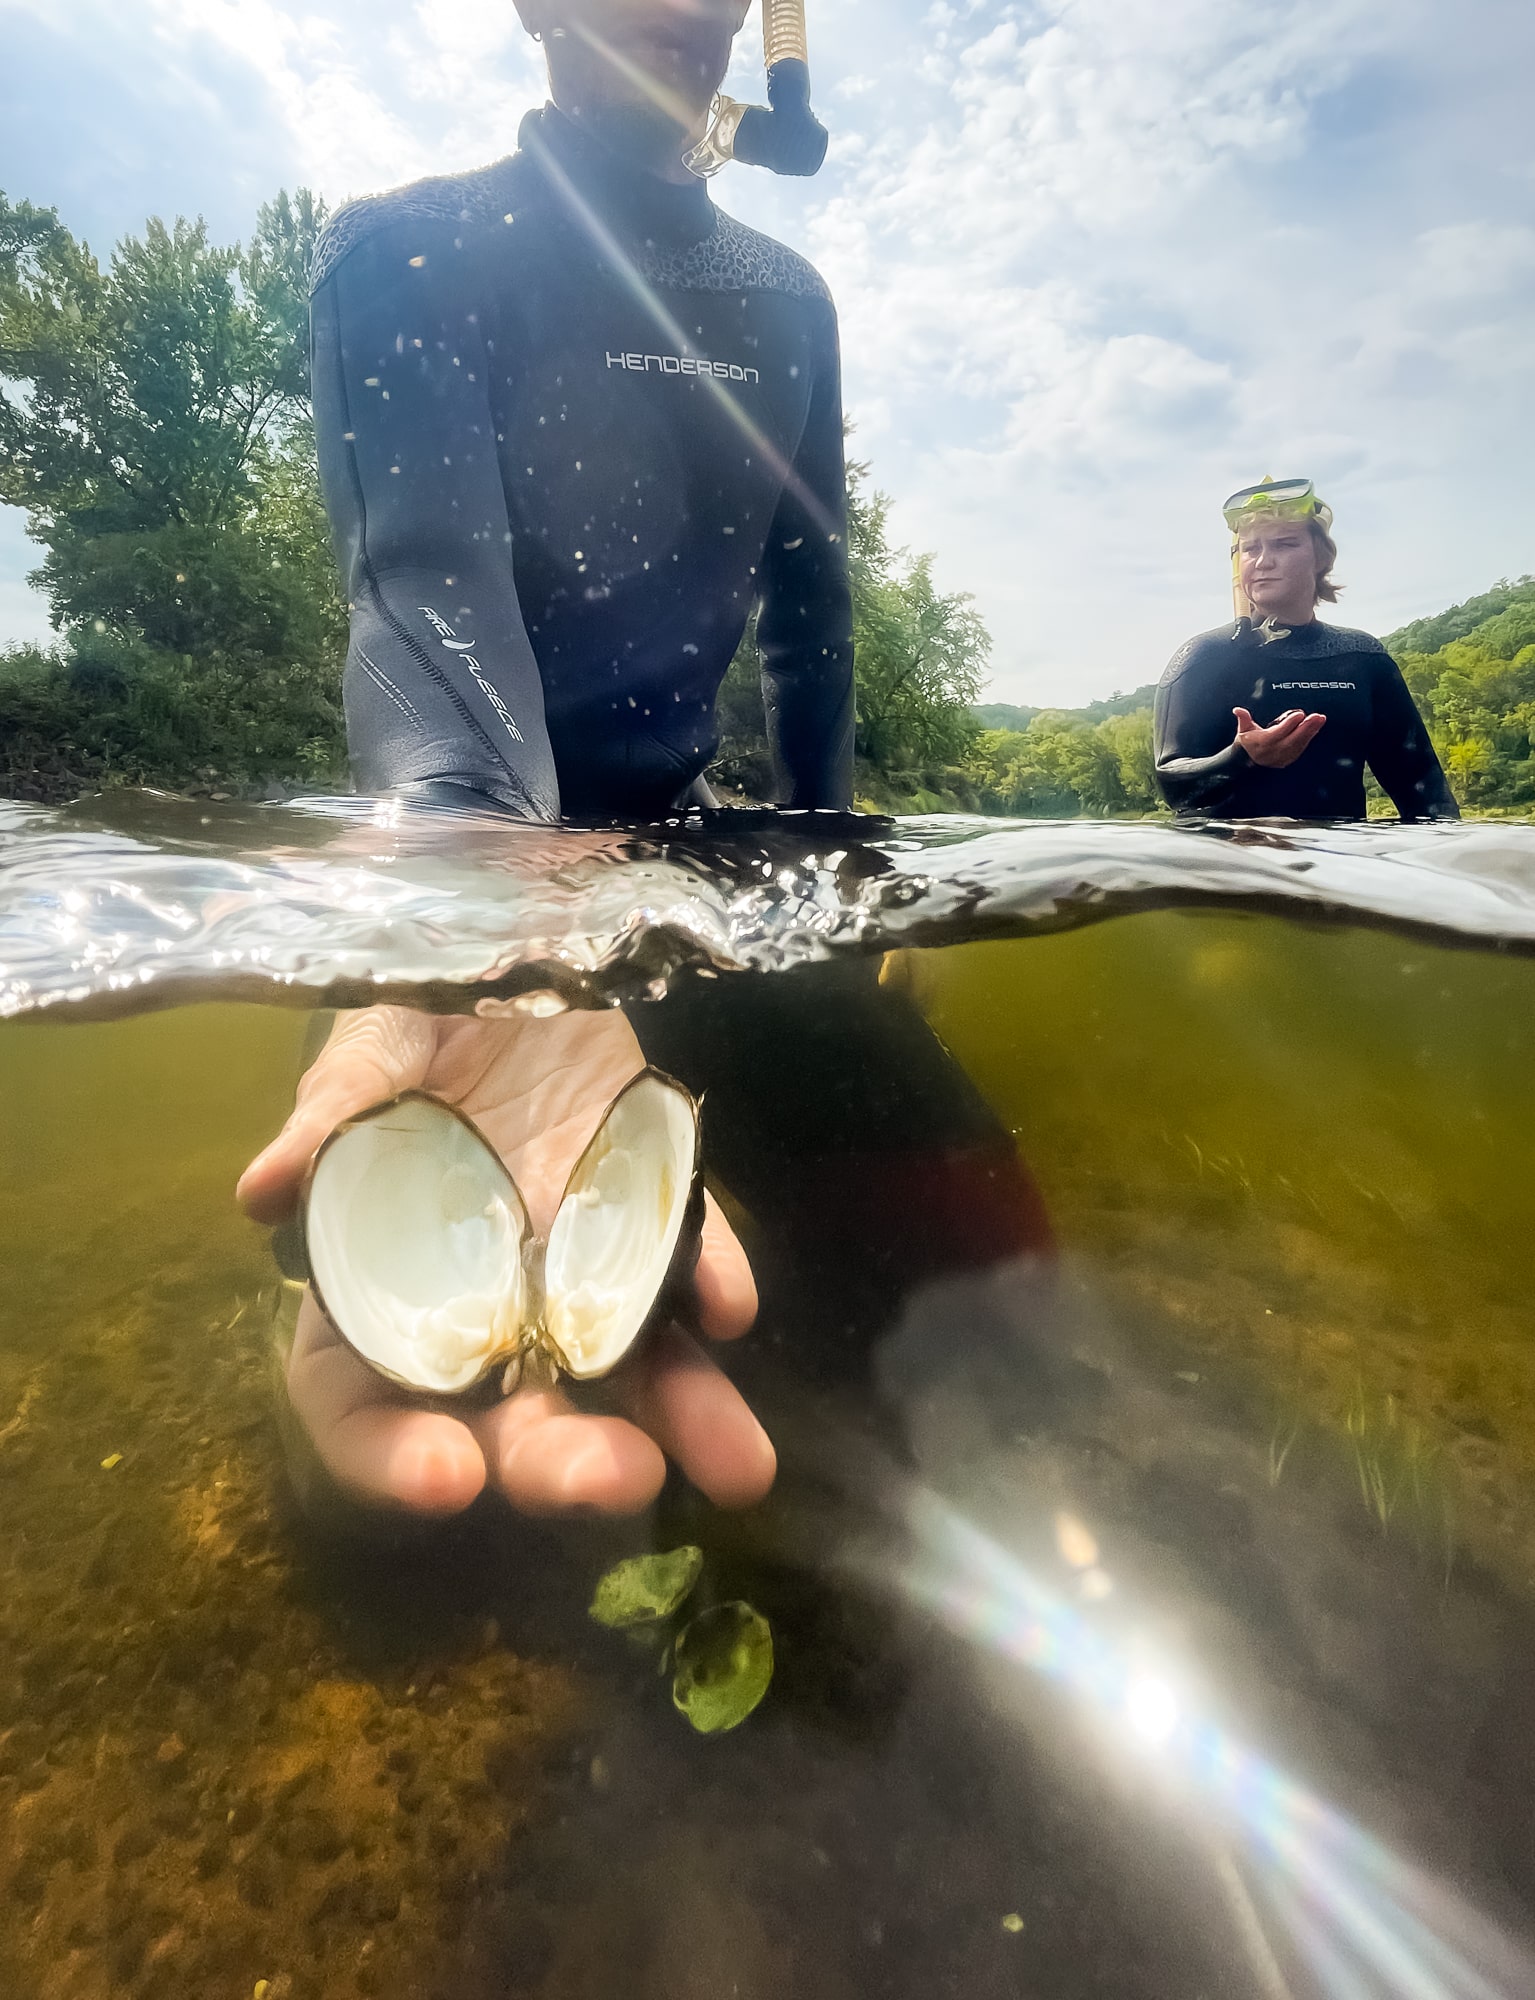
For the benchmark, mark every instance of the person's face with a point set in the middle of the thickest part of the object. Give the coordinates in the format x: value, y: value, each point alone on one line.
x: 1277, y: 568
x: 645, y: 69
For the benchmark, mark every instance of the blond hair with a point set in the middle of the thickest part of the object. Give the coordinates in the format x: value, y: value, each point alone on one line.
x: 1327, y: 555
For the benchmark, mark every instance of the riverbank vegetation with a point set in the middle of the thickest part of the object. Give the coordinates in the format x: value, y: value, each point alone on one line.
x: 155, y: 429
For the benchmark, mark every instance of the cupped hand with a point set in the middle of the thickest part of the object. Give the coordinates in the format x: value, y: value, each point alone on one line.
x: 537, y: 1089
x: 1282, y: 742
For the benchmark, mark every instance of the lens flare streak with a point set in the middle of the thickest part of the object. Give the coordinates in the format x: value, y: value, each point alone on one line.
x: 645, y: 295
x: 1367, y: 1925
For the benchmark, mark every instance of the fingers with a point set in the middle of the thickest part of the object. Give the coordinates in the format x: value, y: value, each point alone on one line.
x: 372, y: 1055
x: 700, y: 1419
x: 547, y: 1460
x: 724, y: 1289
x: 372, y: 1441
x: 533, y: 1448
x: 1275, y: 732
x: 1283, y: 741
x: 1304, y: 734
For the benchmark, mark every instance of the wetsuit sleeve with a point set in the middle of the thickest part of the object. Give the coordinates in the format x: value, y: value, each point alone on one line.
x: 1199, y: 762
x: 805, y: 618
x: 440, y: 685
x: 1399, y: 751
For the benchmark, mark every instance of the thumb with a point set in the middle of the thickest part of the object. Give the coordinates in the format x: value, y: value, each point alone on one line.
x: 1244, y: 721
x: 372, y: 1055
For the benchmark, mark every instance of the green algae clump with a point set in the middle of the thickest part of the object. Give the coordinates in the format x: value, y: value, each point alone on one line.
x: 724, y: 1666
x: 646, y: 1590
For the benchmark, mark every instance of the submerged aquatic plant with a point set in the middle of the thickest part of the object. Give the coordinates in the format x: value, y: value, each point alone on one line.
x: 721, y: 1661
x: 646, y: 1590
x: 724, y: 1664
x: 1400, y: 1471
x: 1281, y: 1444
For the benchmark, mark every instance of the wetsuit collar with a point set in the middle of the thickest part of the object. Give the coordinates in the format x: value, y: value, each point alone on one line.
x: 1246, y: 633
x: 638, y: 205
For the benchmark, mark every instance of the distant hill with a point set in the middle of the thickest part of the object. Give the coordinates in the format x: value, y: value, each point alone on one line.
x: 1428, y: 635
x: 1002, y: 715
x: 1006, y: 715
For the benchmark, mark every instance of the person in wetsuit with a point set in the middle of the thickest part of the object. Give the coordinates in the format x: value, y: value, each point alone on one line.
x: 1279, y: 715
x: 574, y: 423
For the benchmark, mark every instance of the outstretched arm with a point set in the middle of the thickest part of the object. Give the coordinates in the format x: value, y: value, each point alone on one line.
x: 441, y: 684
x: 805, y: 623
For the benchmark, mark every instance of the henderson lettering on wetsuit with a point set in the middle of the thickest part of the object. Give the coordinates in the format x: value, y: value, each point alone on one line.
x: 1325, y: 669
x: 574, y: 423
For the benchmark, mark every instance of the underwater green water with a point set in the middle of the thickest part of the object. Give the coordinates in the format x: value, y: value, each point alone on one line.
x: 1308, y: 1154
x: 1287, y: 1391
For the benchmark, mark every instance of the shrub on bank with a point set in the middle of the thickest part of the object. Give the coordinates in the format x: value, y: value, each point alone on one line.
x: 116, y: 712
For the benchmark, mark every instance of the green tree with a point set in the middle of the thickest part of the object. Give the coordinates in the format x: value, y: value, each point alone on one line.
x: 1129, y: 737
x: 920, y: 657
x: 1428, y: 635
x: 1476, y: 689
x: 1065, y: 764
x: 154, y: 426
x: 920, y: 653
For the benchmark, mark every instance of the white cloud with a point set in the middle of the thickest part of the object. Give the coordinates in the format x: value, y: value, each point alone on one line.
x: 370, y: 95
x: 1098, y: 262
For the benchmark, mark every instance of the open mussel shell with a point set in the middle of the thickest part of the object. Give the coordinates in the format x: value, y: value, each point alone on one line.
x: 422, y: 1255
x: 626, y: 1237
x: 418, y: 1245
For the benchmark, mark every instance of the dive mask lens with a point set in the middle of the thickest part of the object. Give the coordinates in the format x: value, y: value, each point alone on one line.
x: 1292, y: 499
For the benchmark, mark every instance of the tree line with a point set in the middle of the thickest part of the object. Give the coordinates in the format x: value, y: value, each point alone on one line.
x: 154, y: 426
x: 155, y: 429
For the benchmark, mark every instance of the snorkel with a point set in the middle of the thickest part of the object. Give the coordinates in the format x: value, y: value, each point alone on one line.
x: 1270, y: 499
x: 784, y: 135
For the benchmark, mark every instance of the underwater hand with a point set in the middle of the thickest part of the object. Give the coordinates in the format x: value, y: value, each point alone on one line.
x: 537, y: 1090
x: 1282, y: 742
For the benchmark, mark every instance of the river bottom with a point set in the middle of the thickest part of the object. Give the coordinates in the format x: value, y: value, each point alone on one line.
x: 1260, y: 1449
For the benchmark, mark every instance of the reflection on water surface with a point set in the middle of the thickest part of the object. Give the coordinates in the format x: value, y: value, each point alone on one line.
x: 1137, y: 1633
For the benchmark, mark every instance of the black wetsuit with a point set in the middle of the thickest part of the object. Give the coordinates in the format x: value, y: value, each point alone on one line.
x: 573, y: 423
x: 1326, y: 670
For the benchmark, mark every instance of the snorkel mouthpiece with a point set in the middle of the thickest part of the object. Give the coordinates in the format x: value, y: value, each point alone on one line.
x: 785, y: 136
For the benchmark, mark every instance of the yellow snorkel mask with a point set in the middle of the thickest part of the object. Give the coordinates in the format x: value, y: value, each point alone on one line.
x: 1289, y: 499
x: 784, y: 135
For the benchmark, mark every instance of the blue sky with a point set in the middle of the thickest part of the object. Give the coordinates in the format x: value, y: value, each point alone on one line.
x: 1098, y: 263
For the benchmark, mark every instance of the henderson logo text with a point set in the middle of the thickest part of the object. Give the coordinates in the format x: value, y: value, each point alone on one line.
x: 683, y: 364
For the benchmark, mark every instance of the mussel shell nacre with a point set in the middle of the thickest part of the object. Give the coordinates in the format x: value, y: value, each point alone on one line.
x: 628, y: 1227
x: 418, y: 1241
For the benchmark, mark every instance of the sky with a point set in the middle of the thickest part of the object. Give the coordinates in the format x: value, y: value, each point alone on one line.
x: 1098, y: 262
